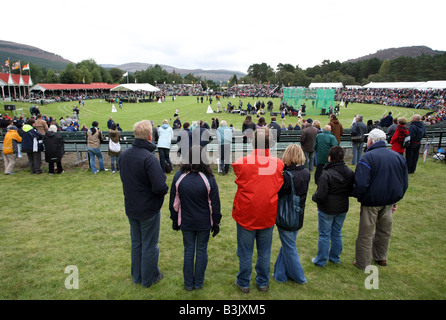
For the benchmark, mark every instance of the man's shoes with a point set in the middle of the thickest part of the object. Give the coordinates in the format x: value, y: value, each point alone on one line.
x: 382, y: 263
x: 242, y: 289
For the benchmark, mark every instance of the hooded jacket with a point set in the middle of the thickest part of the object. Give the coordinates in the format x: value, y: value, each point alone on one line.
x: 336, y: 129
x: 11, y: 137
x: 165, y: 136
x: 31, y: 139
x: 334, y: 187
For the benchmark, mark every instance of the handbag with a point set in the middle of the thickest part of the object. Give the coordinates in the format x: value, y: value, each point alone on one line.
x: 289, y: 212
x: 406, y: 142
x: 114, y: 146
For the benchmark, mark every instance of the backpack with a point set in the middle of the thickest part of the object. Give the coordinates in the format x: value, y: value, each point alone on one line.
x: 406, y: 142
x: 177, y: 203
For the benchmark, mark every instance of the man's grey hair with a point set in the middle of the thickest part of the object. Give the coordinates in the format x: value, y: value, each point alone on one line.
x: 359, y: 117
x: 377, y: 135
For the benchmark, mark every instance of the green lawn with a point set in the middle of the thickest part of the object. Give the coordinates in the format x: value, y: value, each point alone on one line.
x: 77, y: 219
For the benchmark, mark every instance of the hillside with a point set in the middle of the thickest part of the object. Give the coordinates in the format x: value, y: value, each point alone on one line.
x: 16, y: 51
x: 214, y: 75
x: 393, y: 53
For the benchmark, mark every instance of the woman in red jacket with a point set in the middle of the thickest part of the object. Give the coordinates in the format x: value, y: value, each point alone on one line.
x: 398, y: 137
x: 258, y: 178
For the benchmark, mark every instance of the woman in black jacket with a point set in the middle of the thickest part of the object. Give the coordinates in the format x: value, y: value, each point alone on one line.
x: 54, y: 149
x: 287, y: 265
x: 195, y: 209
x: 334, y: 188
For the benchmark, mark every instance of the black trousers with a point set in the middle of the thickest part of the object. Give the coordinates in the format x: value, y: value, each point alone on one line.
x: 51, y: 166
x: 412, y: 154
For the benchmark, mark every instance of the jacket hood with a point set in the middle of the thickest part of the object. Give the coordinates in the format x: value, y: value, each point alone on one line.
x: 27, y: 127
x: 165, y: 126
x: 50, y: 134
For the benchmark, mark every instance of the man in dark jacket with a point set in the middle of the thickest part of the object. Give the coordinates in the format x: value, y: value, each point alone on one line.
x: 307, y: 138
x: 334, y: 187
x: 358, y: 131
x: 144, y: 186
x: 276, y: 129
x: 32, y: 145
x: 381, y: 180
x: 417, y: 131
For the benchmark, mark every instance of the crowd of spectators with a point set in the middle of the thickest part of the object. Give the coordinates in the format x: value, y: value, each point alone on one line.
x: 408, y: 98
x: 194, y: 89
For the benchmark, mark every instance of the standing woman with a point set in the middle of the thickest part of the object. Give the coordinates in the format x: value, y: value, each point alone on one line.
x: 398, y: 137
x: 195, y: 209
x: 54, y: 149
x: 115, y: 136
x: 94, y: 138
x: 287, y: 266
x: 334, y: 187
x: 248, y: 128
x: 165, y: 135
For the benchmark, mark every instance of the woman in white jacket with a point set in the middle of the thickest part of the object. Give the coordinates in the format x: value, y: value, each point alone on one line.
x: 164, y: 142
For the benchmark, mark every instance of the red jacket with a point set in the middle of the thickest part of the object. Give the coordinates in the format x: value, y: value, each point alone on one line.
x: 398, y: 138
x: 259, y: 178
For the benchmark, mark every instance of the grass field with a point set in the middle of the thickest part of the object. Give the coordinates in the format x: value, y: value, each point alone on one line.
x: 48, y: 223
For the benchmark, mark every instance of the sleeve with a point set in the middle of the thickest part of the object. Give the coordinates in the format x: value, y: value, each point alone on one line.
x: 362, y: 179
x: 157, y: 178
x: 286, y: 186
x: 215, y: 201
x: 173, y: 191
x: 322, y: 188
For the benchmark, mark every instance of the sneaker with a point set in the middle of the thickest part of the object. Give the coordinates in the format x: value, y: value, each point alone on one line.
x: 242, y: 289
x: 113, y: 171
x: 264, y: 288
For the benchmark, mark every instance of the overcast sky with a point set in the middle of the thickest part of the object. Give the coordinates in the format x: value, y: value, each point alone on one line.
x: 229, y: 34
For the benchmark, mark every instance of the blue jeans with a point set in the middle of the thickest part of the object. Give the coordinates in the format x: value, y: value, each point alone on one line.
x: 245, y: 249
x: 309, y: 160
x: 287, y: 264
x: 145, y: 250
x: 330, y: 227
x: 92, y: 152
x: 114, y: 159
x: 195, y: 248
x: 357, y: 152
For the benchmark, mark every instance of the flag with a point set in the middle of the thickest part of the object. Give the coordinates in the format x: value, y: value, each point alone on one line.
x: 25, y: 67
x: 16, y: 65
x: 125, y: 74
x: 7, y: 63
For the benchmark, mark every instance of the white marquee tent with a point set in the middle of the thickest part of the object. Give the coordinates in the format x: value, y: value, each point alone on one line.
x: 136, y: 87
x: 432, y: 85
x: 328, y: 85
x: 392, y: 85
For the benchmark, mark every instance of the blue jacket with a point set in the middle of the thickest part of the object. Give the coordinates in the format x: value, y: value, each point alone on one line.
x: 28, y: 135
x: 381, y: 177
x: 417, y: 131
x: 143, y: 180
x: 195, y: 212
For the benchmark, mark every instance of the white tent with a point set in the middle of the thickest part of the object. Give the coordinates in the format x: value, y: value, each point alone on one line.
x: 328, y: 85
x: 441, y: 84
x: 136, y: 87
x: 392, y: 85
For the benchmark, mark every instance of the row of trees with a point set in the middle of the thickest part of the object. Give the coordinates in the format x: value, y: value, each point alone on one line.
x: 422, y: 68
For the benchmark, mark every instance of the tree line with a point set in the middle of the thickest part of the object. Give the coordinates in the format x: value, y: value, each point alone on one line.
x: 421, y: 68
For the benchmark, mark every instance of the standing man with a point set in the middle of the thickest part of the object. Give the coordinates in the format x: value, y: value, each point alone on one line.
x: 275, y: 128
x: 381, y: 181
x: 324, y: 141
x: 32, y: 145
x: 416, y: 132
x: 144, y: 186
x: 224, y: 138
x: 258, y: 178
x: 307, y: 139
x: 358, y: 131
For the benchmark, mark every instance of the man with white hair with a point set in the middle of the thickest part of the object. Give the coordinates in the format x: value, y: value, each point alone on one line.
x: 381, y: 180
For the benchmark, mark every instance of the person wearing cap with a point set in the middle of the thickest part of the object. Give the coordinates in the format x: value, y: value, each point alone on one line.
x: 10, y: 148
x: 381, y: 180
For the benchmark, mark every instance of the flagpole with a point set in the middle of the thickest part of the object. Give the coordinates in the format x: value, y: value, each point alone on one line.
x: 20, y: 69
x: 29, y: 80
x: 9, y: 89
